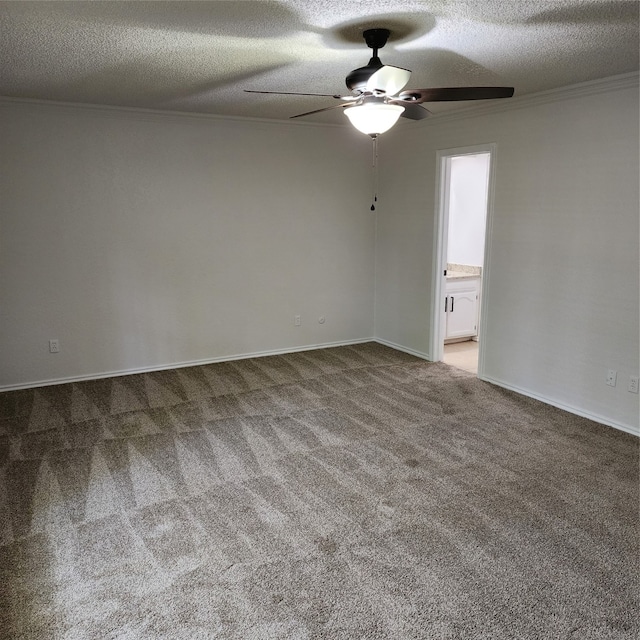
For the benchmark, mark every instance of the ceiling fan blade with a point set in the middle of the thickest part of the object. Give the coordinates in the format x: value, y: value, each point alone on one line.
x: 295, y: 93
x: 451, y: 94
x: 413, y: 111
x: 388, y: 80
x: 308, y: 113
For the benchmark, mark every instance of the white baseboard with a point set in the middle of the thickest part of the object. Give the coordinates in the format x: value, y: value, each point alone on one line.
x: 633, y: 430
x: 565, y: 407
x: 399, y: 347
x: 179, y: 365
x: 343, y: 343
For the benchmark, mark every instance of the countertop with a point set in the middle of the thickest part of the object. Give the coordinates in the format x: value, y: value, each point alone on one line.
x: 460, y: 275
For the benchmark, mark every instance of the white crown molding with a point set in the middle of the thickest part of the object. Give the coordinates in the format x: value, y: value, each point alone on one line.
x: 154, y: 115
x: 576, y: 91
x: 561, y: 94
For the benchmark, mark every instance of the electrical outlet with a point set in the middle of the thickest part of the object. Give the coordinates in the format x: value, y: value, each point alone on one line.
x: 633, y: 384
x: 54, y: 346
x: 297, y: 321
x: 611, y: 377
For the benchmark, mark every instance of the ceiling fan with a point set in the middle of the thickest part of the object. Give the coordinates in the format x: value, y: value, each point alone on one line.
x: 377, y: 97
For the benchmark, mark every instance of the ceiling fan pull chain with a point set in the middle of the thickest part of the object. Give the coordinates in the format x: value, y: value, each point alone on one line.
x: 374, y: 167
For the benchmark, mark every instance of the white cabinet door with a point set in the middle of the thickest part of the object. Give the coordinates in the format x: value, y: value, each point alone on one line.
x: 462, y: 309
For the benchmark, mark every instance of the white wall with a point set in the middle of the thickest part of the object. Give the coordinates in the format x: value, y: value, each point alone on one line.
x: 468, y: 209
x: 562, y: 278
x: 142, y: 240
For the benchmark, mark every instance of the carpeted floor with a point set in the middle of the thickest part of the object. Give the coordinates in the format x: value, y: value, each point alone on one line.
x: 345, y: 493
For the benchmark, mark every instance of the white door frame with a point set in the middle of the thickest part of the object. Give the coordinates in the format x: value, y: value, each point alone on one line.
x: 441, y: 231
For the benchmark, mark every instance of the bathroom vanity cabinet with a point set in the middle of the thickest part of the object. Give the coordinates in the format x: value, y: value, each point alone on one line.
x: 461, y: 306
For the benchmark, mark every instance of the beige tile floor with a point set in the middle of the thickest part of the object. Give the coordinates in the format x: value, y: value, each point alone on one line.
x: 462, y: 355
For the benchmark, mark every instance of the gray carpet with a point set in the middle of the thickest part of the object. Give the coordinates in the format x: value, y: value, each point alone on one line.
x: 346, y: 493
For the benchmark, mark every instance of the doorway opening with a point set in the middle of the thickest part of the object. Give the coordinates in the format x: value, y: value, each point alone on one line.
x: 461, y: 257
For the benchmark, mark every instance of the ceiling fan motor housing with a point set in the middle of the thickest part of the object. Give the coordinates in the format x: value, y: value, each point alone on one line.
x: 356, y: 81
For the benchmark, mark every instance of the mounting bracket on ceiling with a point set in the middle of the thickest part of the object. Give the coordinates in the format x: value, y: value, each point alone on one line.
x: 376, y: 38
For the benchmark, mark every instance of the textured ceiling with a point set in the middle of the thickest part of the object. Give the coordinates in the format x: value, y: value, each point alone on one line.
x: 199, y: 56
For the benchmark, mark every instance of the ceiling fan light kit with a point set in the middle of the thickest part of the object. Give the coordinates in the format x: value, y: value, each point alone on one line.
x: 374, y: 118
